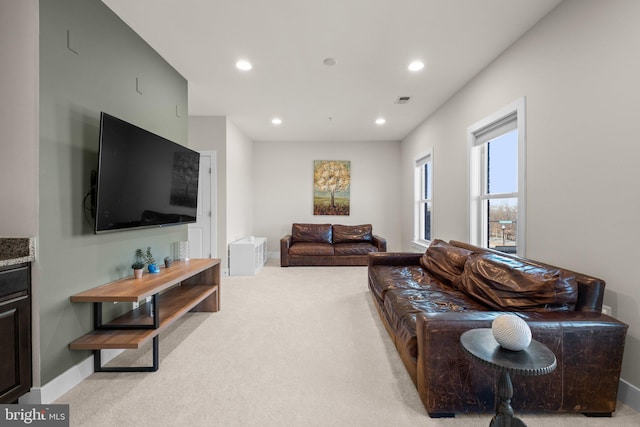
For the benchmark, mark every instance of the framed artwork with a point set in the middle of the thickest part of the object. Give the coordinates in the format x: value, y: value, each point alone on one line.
x: 331, y: 187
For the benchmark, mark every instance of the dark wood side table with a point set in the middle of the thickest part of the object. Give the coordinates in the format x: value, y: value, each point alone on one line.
x: 536, y: 359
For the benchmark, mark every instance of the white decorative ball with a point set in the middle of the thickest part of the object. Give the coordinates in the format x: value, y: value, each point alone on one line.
x: 511, y: 332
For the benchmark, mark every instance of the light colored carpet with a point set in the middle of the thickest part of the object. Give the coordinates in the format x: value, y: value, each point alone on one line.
x: 298, y: 346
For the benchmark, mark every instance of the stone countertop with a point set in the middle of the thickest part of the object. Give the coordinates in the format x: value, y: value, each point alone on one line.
x: 16, y: 250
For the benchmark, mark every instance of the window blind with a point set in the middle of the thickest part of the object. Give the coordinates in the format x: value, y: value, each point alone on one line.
x: 423, y: 160
x: 495, y: 129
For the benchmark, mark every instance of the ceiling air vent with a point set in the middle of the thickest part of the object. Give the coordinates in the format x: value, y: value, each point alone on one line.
x: 403, y: 99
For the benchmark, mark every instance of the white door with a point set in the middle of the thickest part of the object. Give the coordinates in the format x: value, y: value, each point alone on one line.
x: 202, y: 238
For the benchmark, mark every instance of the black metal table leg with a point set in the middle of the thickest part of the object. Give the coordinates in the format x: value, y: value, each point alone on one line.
x: 97, y: 318
x: 97, y: 361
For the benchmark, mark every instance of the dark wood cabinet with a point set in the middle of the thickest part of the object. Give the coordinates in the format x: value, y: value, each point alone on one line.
x: 15, y: 332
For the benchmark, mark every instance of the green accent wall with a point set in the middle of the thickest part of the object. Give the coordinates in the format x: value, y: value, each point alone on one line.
x: 91, y: 61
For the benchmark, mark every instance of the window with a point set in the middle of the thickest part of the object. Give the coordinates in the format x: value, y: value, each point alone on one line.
x: 423, y: 197
x: 497, y: 180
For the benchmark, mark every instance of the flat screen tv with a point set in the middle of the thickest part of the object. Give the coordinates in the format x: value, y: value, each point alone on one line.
x: 143, y: 180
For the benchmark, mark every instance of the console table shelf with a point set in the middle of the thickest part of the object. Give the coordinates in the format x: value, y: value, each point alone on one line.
x: 171, y: 305
x: 192, y: 285
x: 136, y: 290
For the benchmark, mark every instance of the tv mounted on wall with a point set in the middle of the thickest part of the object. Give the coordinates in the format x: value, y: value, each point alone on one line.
x: 143, y: 180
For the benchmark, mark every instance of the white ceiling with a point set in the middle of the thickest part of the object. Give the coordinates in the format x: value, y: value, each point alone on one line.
x: 373, y: 42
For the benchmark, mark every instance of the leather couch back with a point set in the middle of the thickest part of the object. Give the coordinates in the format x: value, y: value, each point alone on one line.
x: 328, y: 233
x: 352, y: 233
x: 311, y: 233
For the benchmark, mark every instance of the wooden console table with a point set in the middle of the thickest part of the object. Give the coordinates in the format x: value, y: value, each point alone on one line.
x: 192, y: 285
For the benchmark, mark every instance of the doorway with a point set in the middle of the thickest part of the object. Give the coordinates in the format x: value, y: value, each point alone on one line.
x: 202, y: 235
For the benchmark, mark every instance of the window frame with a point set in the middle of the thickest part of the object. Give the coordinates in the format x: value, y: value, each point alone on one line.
x: 477, y: 140
x: 419, y: 190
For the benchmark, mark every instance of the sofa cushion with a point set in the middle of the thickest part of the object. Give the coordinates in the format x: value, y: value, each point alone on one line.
x: 354, y: 248
x: 311, y: 233
x: 445, y: 261
x: 437, y: 298
x: 352, y: 233
x: 383, y: 278
x: 505, y: 283
x: 306, y: 249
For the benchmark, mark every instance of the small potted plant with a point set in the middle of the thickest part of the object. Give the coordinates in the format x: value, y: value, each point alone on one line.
x: 138, y: 265
x: 151, y: 261
x: 138, y: 269
x: 167, y: 261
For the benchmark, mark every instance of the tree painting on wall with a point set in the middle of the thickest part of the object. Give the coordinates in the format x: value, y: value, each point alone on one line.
x: 331, y: 187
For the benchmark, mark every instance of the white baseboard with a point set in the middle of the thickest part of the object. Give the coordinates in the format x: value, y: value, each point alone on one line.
x: 64, y: 382
x: 629, y: 395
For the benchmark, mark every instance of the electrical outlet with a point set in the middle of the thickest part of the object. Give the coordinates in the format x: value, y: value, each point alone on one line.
x: 151, y: 306
x: 136, y: 305
x: 606, y: 310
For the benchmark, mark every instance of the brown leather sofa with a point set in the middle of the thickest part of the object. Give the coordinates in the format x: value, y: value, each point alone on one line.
x: 326, y: 244
x: 427, y: 301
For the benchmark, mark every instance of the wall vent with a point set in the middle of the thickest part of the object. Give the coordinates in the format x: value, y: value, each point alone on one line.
x: 403, y: 99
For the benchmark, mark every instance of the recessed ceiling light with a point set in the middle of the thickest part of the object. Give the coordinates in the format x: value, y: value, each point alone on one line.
x: 330, y: 62
x: 416, y: 66
x: 276, y: 121
x: 380, y: 121
x: 244, y: 65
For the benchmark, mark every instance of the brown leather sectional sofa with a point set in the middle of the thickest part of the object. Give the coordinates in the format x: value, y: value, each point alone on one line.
x: 426, y: 301
x: 327, y: 244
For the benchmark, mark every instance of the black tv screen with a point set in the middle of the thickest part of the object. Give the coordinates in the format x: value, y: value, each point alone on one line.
x: 143, y: 180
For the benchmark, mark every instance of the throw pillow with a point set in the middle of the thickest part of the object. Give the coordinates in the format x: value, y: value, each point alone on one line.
x: 504, y: 283
x: 352, y: 233
x: 445, y: 261
x: 311, y: 233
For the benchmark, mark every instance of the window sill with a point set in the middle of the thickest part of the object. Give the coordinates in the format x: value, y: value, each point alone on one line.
x: 420, y: 245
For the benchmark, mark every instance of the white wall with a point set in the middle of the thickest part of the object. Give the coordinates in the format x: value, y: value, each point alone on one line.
x: 234, y: 168
x: 578, y: 69
x: 239, y: 184
x: 19, y: 118
x: 209, y: 133
x: 283, y: 187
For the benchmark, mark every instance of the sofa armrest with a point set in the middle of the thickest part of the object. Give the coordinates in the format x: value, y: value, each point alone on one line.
x: 394, y: 258
x: 285, y: 244
x: 588, y: 347
x: 380, y: 242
